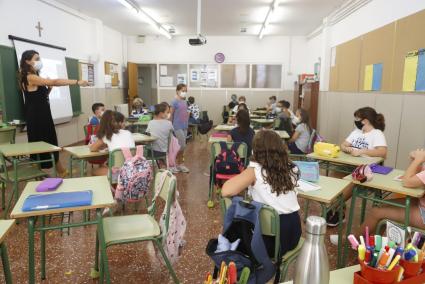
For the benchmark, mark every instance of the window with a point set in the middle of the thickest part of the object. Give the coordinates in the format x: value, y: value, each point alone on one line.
x: 172, y: 74
x: 234, y: 76
x: 203, y: 75
x: 266, y: 76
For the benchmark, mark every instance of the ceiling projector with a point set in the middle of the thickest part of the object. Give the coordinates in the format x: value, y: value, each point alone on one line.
x: 200, y: 40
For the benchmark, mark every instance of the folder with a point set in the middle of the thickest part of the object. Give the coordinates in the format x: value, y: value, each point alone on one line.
x: 410, y: 70
x: 37, y: 202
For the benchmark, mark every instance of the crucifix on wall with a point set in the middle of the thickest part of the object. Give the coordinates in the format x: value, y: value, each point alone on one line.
x: 39, y: 28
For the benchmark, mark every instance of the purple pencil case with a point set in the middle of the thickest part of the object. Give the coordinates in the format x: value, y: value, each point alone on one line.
x: 378, y: 169
x: 49, y: 184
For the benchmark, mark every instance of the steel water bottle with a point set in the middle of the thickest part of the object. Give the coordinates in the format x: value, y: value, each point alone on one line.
x: 312, y: 263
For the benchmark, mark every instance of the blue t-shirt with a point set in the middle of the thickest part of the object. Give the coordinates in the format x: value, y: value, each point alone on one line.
x: 237, y: 136
x: 94, y: 120
x: 181, y: 115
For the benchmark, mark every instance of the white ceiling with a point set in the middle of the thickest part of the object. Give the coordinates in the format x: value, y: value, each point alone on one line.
x: 219, y: 17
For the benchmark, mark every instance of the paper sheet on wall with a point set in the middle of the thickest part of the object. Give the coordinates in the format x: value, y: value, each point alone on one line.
x: 163, y: 70
x: 368, y: 77
x: 377, y: 77
x: 420, y: 76
x: 194, y: 75
x: 181, y: 79
x: 410, y: 70
x: 166, y: 81
x: 108, y: 81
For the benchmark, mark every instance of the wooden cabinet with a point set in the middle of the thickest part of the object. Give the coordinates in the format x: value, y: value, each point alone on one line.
x: 306, y: 96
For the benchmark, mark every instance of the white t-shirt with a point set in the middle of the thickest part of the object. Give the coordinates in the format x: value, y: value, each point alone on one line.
x: 368, y: 140
x: 262, y: 192
x: 122, y: 139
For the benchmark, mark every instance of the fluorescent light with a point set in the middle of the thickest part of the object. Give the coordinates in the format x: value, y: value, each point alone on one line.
x: 145, y: 17
x: 260, y: 36
x: 276, y: 4
x: 272, y: 9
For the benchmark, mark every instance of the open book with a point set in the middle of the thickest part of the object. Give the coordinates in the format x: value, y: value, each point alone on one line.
x: 306, y: 186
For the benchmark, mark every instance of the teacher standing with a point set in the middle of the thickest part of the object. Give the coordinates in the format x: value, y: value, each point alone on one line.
x: 40, y: 126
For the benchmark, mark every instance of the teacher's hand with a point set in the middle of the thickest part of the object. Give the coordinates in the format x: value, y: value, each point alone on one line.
x: 83, y: 83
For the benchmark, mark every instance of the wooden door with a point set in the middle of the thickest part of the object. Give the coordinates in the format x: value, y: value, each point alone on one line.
x: 132, y: 83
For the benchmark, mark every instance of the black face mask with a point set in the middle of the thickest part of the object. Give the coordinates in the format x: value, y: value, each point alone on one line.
x: 358, y: 124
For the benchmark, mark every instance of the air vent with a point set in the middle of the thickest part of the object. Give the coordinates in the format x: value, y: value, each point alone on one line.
x: 243, y: 30
x: 172, y: 30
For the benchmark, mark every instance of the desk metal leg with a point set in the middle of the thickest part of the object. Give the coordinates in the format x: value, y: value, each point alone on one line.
x: 350, y: 223
x: 327, y: 168
x: 340, y: 214
x: 31, y: 260
x: 363, y: 210
x: 5, y: 261
x: 407, y: 214
x: 306, y: 209
x: 70, y: 166
x: 104, y: 268
x: 55, y: 173
x: 43, y: 248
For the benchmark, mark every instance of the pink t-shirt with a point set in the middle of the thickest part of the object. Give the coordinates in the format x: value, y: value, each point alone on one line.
x: 421, y: 176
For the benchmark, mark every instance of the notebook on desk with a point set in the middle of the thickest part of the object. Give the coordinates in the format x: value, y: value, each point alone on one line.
x: 306, y: 186
x: 38, y: 202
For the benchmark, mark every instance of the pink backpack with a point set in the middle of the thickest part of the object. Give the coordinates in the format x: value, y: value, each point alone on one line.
x: 173, y: 239
x: 173, y: 149
x: 134, y: 177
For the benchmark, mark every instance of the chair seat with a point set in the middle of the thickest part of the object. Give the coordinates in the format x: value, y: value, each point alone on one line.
x: 26, y: 172
x: 224, y: 177
x: 294, y: 251
x: 121, y: 229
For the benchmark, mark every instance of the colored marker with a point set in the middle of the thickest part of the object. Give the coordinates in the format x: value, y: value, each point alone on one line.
x: 374, y: 259
x: 399, y: 251
x: 391, y: 244
x: 391, y: 253
x: 372, y: 241
x: 400, y: 273
x: 361, y: 252
x: 384, y: 241
x: 394, y: 262
x: 383, y: 260
x: 367, y: 236
x: 353, y: 241
x: 368, y: 256
x: 378, y: 243
x: 362, y: 241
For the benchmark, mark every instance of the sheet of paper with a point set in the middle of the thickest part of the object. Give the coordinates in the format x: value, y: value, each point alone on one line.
x: 166, y: 81
x: 163, y: 70
x: 399, y: 178
x: 194, y: 75
x: 420, y: 76
x: 396, y: 234
x: 306, y: 186
x: 410, y: 71
x: 368, y: 77
x: 181, y: 79
x: 377, y: 77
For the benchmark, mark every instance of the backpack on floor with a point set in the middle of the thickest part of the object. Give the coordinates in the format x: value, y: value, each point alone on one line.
x: 228, y: 161
x: 90, y: 139
x: 134, y: 177
x: 242, y: 221
x: 205, y: 124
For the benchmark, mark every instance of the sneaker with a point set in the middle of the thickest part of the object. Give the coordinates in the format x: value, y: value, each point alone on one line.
x: 174, y: 170
x: 334, y: 239
x: 332, y: 218
x: 183, y: 169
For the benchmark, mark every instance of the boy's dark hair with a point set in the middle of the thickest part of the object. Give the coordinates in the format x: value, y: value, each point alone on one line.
x: 243, y: 120
x: 191, y: 100
x: 162, y: 107
x: 96, y: 106
x: 180, y: 87
x: 165, y: 103
x: 285, y: 104
x: 272, y: 98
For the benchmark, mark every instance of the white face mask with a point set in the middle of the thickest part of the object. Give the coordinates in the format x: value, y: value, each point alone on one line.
x: 169, y: 116
x: 183, y: 94
x: 296, y: 120
x: 278, y: 109
x: 38, y: 65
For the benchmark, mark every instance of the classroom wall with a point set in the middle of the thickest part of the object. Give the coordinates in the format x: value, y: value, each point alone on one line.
x: 85, y: 38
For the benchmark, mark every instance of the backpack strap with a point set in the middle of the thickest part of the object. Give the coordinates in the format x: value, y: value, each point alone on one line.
x: 223, y: 146
x: 139, y: 151
x: 127, y: 153
x: 235, y: 147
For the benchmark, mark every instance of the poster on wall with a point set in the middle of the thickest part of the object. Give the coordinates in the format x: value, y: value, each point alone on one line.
x: 194, y: 75
x: 163, y: 70
x: 166, y: 81
x: 181, y: 79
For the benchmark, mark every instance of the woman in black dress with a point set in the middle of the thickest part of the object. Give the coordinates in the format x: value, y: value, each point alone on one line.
x: 40, y: 126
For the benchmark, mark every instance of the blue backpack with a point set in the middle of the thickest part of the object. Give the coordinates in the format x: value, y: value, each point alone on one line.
x: 228, y: 161
x: 242, y: 221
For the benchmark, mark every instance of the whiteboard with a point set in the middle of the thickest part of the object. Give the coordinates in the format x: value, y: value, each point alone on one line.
x: 54, y: 67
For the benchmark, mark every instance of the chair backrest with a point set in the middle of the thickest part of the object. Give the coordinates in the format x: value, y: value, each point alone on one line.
x: 117, y: 159
x: 242, y: 151
x: 276, y: 123
x: 7, y: 136
x: 85, y: 130
x: 269, y: 220
x: 167, y: 192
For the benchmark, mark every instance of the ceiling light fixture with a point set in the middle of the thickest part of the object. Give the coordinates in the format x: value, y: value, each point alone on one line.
x: 272, y: 9
x: 135, y: 8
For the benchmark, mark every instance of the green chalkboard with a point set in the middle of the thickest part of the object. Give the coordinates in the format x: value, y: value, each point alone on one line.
x: 11, y: 101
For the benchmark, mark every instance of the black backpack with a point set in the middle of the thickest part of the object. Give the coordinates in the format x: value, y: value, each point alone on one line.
x: 228, y: 161
x: 205, y: 123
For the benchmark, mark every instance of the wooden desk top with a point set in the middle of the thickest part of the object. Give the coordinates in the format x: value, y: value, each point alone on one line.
x: 387, y: 183
x: 340, y: 276
x: 102, y: 195
x: 143, y: 138
x: 282, y: 133
x: 347, y: 159
x: 5, y: 227
x: 330, y: 189
x: 83, y: 152
x: 263, y: 121
x: 23, y: 149
x: 224, y: 127
x: 7, y: 128
x: 260, y: 112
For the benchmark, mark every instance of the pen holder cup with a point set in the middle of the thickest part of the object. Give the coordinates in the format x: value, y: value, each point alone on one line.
x: 377, y: 276
x: 411, y: 269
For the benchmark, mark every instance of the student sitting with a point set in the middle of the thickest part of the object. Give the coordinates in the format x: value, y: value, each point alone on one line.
x: 271, y: 106
x: 160, y: 128
x: 414, y: 177
x: 111, y: 134
x: 298, y: 143
x: 367, y: 139
x: 138, y: 107
x: 271, y: 178
x: 241, y: 100
x: 243, y: 132
x: 98, y: 109
x: 234, y: 102
x: 194, y: 112
x: 284, y: 117
x: 232, y: 119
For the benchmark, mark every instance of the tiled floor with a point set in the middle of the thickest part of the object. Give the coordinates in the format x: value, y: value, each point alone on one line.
x: 69, y: 258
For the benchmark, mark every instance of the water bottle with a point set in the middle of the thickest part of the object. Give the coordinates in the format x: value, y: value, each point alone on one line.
x: 312, y: 263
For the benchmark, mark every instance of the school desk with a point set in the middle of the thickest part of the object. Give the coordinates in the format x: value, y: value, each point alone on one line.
x: 224, y: 127
x: 13, y: 151
x: 5, y: 227
x: 262, y: 122
x: 102, y: 198
x: 260, y: 112
x: 330, y: 197
x: 343, y: 161
x: 252, y: 116
x: 376, y: 190
x: 340, y: 276
x: 282, y: 134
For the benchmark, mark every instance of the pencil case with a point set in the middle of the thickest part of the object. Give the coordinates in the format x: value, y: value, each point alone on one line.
x: 49, y: 184
x: 378, y: 169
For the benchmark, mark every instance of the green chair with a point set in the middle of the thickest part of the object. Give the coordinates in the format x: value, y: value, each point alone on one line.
x: 137, y: 228
x: 7, y: 135
x: 5, y: 227
x: 215, y: 151
x: 10, y: 176
x: 270, y: 226
x: 383, y: 222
